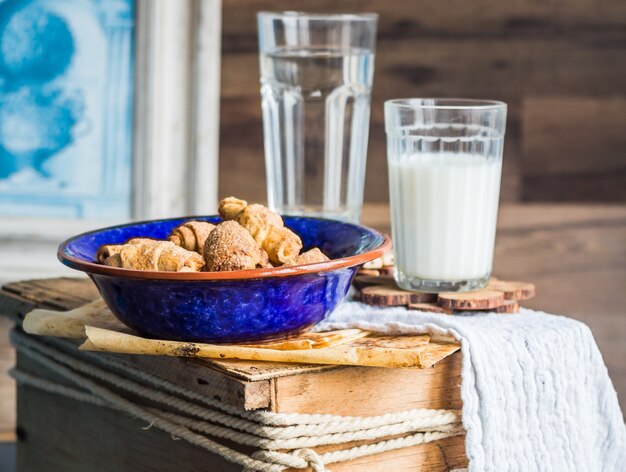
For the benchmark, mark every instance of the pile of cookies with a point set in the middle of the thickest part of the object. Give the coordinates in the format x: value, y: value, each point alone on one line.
x: 249, y: 237
x: 377, y: 286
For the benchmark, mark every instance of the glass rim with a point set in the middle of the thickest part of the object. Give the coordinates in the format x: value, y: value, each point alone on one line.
x: 318, y: 16
x: 446, y: 103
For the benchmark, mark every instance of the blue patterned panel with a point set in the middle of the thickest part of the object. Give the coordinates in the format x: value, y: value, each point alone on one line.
x: 66, y: 85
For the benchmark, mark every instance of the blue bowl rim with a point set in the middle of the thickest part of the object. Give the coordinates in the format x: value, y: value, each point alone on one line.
x: 340, y: 263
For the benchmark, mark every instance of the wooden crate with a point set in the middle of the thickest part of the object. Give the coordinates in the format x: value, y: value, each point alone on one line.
x: 55, y: 433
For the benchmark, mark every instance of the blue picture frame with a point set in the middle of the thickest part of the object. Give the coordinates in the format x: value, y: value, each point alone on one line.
x: 66, y: 95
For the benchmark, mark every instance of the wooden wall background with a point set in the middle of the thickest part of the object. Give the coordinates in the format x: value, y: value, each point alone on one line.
x: 559, y: 64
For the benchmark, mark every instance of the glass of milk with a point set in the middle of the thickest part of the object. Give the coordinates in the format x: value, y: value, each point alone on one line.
x: 445, y: 161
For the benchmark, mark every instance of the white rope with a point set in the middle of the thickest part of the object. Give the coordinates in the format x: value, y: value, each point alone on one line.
x: 256, y: 429
x: 332, y: 423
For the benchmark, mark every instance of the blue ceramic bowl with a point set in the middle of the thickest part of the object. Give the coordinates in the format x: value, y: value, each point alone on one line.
x: 237, y: 306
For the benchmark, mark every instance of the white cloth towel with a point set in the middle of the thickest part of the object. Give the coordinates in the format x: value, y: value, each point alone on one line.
x: 536, y: 393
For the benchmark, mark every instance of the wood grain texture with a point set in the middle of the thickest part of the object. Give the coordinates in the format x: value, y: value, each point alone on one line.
x: 199, y: 377
x: 440, y: 19
x: 590, y: 131
x: 568, y: 52
x: 358, y: 391
x: 393, y: 296
x: 63, y: 294
x: 7, y: 386
x: 479, y: 300
x: 439, y: 456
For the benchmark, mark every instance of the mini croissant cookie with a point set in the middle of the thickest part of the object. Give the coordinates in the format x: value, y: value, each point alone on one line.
x: 281, y: 245
x: 268, y: 230
x: 191, y: 235
x: 310, y: 257
x: 249, y: 237
x: 107, y: 250
x: 231, y: 247
x: 230, y: 207
x: 258, y: 220
x: 156, y: 255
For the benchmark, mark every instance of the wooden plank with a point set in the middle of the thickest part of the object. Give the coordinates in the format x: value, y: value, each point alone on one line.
x: 196, y: 376
x: 509, y: 70
x: 506, y: 69
x: 561, y: 240
x: 360, y: 391
x: 254, y: 371
x: 7, y: 386
x: 437, y: 456
x: 594, y: 169
x: 445, y: 18
x: 202, y: 378
x: 63, y: 293
x: 509, y: 51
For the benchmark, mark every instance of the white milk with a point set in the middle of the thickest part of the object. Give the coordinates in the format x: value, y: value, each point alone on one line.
x: 444, y: 209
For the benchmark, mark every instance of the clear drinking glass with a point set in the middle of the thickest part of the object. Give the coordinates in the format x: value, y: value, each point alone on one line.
x: 445, y: 161
x: 316, y: 78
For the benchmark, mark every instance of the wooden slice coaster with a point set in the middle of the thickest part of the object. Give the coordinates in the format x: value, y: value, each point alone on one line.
x: 378, y: 287
x: 392, y: 296
x: 512, y: 290
x: 430, y: 308
x: 479, y: 300
x: 362, y: 281
x: 509, y: 306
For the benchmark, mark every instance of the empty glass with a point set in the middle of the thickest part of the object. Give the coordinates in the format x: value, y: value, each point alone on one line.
x: 316, y: 78
x: 445, y: 161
